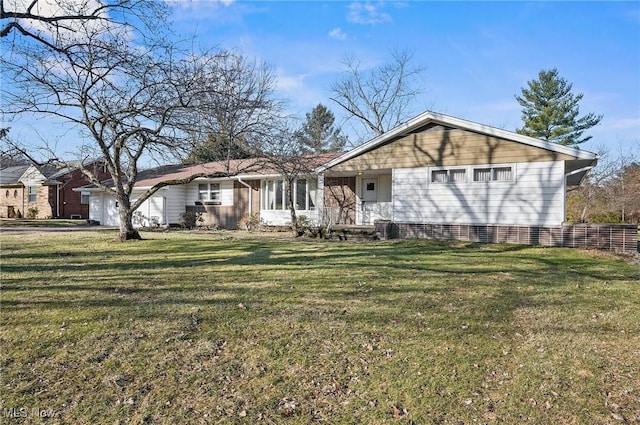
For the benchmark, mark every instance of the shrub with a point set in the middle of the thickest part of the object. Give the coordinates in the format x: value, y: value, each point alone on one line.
x: 250, y: 222
x: 138, y: 218
x: 32, y: 213
x: 191, y: 219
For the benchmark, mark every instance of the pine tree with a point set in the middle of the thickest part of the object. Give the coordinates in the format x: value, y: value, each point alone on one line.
x: 217, y: 149
x: 550, y: 110
x: 318, y: 133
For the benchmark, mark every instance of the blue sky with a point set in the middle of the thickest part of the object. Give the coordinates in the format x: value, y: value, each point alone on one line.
x: 477, y: 55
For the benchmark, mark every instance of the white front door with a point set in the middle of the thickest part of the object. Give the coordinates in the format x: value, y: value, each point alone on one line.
x: 369, y: 199
x: 369, y: 190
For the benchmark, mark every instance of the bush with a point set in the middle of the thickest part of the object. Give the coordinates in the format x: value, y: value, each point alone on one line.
x: 18, y: 214
x: 250, y: 222
x: 191, y: 219
x: 32, y: 213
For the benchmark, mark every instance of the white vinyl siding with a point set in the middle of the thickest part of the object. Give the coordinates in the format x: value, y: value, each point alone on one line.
x: 176, y: 200
x: 532, y: 195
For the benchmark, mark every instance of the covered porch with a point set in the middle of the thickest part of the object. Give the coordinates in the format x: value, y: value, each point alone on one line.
x: 358, y: 198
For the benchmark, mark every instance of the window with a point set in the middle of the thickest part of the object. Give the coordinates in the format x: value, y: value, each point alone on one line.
x: 84, y: 198
x: 272, y: 194
x: 502, y: 174
x: 33, y: 193
x: 493, y: 174
x: 305, y: 194
x: 209, y: 192
x: 482, y: 175
x: 456, y: 175
x: 275, y: 194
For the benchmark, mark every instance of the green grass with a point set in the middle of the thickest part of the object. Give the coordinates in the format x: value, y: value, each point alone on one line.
x: 229, y: 328
x: 52, y: 222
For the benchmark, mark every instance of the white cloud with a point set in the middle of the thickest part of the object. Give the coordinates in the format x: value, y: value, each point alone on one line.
x: 367, y: 13
x: 290, y: 83
x: 338, y: 34
x: 64, y: 30
x: 622, y: 123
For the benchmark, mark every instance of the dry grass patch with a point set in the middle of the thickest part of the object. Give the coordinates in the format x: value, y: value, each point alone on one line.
x: 214, y: 328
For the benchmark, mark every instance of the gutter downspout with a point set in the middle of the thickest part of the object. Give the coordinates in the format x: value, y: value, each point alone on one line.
x: 245, y: 184
x: 57, y: 201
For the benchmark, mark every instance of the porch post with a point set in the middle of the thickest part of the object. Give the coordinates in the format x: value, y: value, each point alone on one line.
x: 320, y: 200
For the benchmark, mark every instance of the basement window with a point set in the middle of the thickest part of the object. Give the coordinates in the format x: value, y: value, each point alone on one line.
x: 493, y: 174
x: 454, y: 175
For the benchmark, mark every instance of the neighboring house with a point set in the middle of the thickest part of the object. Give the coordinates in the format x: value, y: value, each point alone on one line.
x: 433, y: 169
x: 45, y: 188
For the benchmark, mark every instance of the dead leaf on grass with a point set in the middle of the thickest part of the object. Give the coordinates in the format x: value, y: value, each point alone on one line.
x: 399, y: 411
x: 618, y: 417
x: 287, y: 407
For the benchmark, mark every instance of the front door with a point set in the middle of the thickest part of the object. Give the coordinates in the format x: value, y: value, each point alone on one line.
x: 369, y: 199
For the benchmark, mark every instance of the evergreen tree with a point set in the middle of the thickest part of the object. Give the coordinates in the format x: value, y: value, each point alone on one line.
x: 217, y: 149
x: 318, y: 133
x: 550, y: 110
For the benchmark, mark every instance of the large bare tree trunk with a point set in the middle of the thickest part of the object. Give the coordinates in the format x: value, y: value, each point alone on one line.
x: 292, y: 209
x: 127, y: 231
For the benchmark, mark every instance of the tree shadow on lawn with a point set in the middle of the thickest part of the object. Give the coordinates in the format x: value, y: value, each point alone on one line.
x: 427, y: 276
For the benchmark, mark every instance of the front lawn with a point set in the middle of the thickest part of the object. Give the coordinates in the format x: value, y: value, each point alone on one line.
x: 8, y: 223
x: 216, y: 328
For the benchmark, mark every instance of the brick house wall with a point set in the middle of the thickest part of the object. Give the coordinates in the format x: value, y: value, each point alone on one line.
x: 11, y: 201
x: 44, y: 202
x: 71, y: 205
x: 55, y: 198
x: 340, y: 199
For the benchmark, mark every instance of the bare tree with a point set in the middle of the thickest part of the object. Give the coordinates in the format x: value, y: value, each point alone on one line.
x: 622, y: 189
x: 283, y: 152
x: 130, y: 95
x: 612, y: 192
x: 381, y: 97
x: 50, y: 22
x: 238, y: 108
